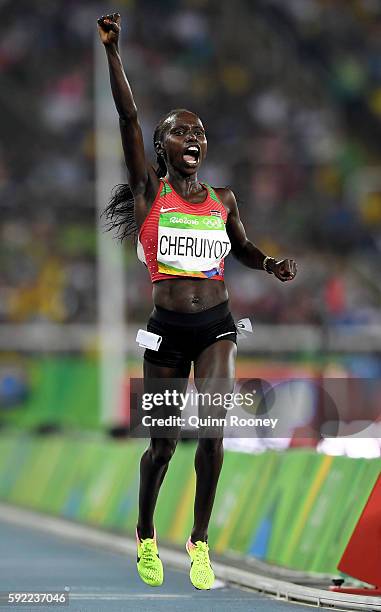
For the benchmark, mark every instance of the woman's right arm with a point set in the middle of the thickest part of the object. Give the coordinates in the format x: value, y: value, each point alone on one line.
x: 142, y: 179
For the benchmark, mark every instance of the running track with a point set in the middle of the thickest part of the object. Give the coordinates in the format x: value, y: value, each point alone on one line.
x: 104, y: 581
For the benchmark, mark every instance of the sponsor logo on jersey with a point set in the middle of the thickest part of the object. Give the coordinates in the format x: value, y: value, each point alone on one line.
x: 164, y: 210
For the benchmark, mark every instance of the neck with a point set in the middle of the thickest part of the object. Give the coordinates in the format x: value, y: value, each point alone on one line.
x: 184, y: 185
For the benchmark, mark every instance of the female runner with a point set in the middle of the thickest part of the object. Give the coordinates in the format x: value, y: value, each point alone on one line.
x: 186, y: 228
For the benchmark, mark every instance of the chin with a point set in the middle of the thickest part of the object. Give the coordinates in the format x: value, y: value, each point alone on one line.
x: 189, y: 170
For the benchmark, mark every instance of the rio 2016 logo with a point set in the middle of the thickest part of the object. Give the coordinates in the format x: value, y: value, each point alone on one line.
x: 184, y: 220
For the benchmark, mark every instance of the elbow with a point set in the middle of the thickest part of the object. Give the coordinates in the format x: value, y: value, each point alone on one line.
x: 237, y: 254
x: 239, y: 250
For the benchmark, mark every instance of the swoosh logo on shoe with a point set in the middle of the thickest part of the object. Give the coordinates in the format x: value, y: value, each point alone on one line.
x: 167, y: 209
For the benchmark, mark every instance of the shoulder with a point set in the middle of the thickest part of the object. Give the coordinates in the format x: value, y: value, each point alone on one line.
x: 227, y: 198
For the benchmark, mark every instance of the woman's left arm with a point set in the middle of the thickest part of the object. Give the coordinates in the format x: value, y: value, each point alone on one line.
x: 244, y: 250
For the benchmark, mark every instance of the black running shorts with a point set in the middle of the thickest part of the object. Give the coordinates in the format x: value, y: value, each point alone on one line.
x: 186, y: 335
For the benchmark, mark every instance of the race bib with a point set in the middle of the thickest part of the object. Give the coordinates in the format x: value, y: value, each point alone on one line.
x: 191, y: 245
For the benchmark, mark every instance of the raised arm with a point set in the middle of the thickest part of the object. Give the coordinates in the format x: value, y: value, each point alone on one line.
x: 142, y: 179
x: 244, y: 250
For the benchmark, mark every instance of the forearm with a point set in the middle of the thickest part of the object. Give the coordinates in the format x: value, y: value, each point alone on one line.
x: 250, y: 256
x: 120, y: 87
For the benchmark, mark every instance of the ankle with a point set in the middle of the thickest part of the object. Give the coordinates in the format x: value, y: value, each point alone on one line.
x: 144, y: 533
x: 195, y: 537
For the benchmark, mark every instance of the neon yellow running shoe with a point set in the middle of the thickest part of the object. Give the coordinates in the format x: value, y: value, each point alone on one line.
x: 149, y: 564
x: 201, y: 573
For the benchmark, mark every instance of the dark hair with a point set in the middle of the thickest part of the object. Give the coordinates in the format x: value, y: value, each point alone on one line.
x: 119, y: 212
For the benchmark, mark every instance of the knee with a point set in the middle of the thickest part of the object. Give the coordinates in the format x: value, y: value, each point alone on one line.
x: 162, y: 451
x: 211, y: 446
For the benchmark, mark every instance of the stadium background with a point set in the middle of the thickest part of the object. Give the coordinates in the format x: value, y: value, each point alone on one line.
x: 290, y: 93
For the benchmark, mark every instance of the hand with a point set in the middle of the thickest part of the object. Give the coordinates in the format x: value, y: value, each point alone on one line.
x: 285, y: 270
x: 109, y: 29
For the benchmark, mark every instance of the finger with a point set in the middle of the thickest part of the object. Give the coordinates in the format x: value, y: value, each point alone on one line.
x: 290, y: 271
x: 108, y: 25
x: 292, y: 268
x: 116, y: 17
x: 284, y: 272
x: 293, y: 272
x: 113, y: 24
x: 287, y: 275
x: 280, y: 274
x: 103, y: 21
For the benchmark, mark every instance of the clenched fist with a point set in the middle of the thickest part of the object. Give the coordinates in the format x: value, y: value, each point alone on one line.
x: 285, y: 270
x: 109, y: 29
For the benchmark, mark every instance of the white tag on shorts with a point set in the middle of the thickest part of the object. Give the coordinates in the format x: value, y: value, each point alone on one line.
x: 244, y: 325
x: 148, y: 339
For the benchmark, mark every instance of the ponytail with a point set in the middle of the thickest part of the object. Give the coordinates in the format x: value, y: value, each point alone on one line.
x: 120, y: 212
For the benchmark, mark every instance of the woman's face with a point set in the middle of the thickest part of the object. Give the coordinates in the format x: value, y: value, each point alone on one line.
x: 184, y: 142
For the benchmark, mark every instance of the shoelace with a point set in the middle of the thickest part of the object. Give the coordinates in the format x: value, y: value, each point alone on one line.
x: 202, y: 553
x: 148, y: 550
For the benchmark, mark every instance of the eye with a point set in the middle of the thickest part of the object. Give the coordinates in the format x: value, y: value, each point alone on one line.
x: 178, y: 131
x: 199, y: 132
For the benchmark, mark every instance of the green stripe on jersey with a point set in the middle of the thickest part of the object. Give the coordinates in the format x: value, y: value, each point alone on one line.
x: 212, y: 193
x: 183, y: 221
x: 166, y: 190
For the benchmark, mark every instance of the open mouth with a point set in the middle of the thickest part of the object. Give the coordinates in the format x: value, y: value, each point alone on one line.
x: 192, y: 155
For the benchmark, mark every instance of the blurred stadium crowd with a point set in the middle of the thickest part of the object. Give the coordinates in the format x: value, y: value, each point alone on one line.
x: 290, y: 94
